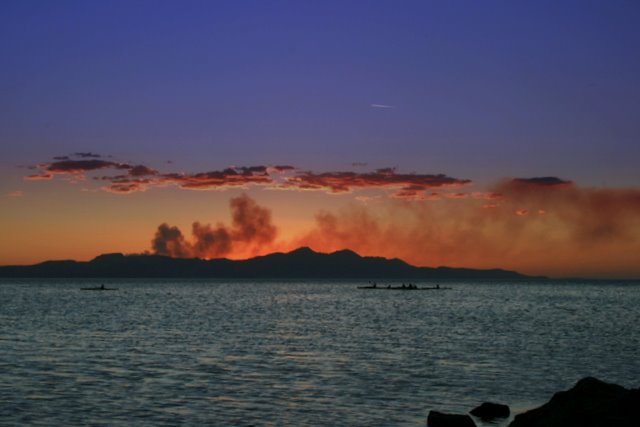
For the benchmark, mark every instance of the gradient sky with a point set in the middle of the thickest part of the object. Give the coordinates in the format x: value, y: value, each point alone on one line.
x: 479, y: 134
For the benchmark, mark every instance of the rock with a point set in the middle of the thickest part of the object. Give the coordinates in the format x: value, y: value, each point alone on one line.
x: 439, y: 419
x: 488, y: 411
x: 590, y: 403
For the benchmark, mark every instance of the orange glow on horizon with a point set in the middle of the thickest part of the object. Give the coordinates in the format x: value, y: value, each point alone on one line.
x: 557, y: 230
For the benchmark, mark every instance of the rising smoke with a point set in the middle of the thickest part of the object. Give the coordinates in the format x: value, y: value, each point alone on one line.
x: 547, y: 227
x: 251, y: 232
x: 537, y: 229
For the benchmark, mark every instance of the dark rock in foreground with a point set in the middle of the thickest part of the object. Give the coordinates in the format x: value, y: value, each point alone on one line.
x: 439, y: 419
x: 590, y: 403
x: 488, y: 411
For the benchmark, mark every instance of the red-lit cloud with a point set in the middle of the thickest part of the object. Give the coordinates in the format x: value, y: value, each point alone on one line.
x: 139, y: 177
x: 39, y: 177
x: 80, y: 166
x: 281, y: 168
x: 341, y: 182
x: 229, y: 177
x: 214, y: 180
x: 126, y: 186
x: 81, y: 154
x: 142, y: 170
x: 546, y: 181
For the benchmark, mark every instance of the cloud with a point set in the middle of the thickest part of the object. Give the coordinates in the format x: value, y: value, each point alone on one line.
x: 387, y: 178
x: 17, y: 193
x: 381, y: 106
x: 130, y: 178
x: 545, y: 181
x: 127, y: 186
x: 237, y: 176
x: 87, y: 155
x: 142, y: 170
x: 87, y: 162
x: 251, y: 232
x: 229, y: 177
x: 39, y: 177
x: 79, y: 166
x: 281, y: 168
x: 139, y: 177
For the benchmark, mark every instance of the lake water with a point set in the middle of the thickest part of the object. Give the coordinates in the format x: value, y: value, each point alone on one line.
x: 301, y: 354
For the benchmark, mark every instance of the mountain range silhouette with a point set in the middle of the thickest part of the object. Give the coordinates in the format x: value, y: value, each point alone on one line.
x: 302, y: 263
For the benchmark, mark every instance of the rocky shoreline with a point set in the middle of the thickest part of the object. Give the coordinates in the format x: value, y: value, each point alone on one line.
x: 589, y: 403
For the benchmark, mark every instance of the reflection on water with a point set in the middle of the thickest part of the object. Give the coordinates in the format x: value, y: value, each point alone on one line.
x: 162, y: 352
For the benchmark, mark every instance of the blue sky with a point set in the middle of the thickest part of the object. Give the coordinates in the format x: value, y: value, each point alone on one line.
x: 480, y: 89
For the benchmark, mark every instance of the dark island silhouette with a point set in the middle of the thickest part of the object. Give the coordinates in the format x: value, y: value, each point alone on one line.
x: 302, y: 263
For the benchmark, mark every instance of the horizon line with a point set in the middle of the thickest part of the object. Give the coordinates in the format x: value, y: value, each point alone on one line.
x: 146, y: 253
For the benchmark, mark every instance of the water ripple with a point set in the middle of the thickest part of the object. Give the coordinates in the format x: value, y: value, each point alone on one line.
x: 303, y: 354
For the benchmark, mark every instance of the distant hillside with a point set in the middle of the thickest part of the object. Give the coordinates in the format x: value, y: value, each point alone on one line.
x: 302, y: 263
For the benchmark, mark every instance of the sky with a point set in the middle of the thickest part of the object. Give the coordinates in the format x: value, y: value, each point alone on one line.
x: 461, y: 133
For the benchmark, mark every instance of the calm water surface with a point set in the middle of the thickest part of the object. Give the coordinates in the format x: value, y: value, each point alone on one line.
x: 301, y: 354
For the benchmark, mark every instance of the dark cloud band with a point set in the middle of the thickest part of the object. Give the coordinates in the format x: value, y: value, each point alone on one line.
x: 138, y: 177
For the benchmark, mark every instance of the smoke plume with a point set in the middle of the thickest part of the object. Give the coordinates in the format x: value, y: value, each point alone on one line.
x: 251, y: 233
x: 543, y: 226
x: 537, y: 227
x: 170, y: 241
